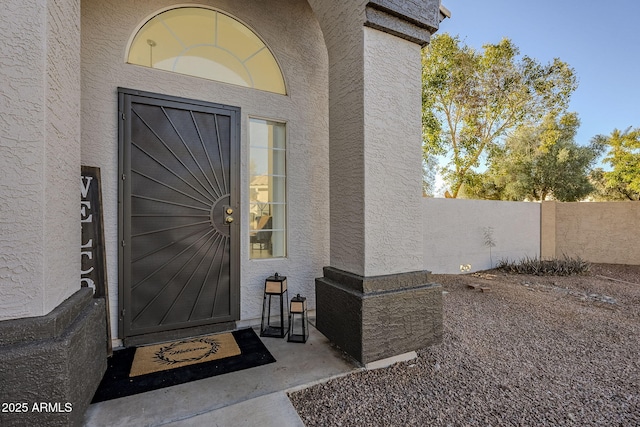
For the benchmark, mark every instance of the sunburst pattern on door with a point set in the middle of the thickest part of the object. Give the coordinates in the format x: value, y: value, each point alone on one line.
x: 180, y: 204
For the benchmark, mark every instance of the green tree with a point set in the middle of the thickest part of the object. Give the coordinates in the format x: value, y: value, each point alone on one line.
x: 604, y: 192
x: 472, y: 100
x: 541, y: 162
x: 429, y: 170
x: 623, y: 181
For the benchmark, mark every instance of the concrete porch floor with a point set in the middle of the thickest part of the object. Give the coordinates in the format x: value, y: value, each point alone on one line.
x: 252, y: 397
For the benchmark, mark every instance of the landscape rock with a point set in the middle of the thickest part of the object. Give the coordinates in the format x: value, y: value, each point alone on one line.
x: 566, y: 355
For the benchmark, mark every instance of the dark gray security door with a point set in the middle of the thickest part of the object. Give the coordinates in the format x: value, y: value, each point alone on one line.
x: 179, y: 197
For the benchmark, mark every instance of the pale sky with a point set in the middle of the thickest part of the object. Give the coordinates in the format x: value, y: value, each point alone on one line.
x: 599, y: 39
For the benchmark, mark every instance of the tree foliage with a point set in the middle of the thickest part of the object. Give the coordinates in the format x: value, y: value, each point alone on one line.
x: 472, y: 100
x: 540, y: 162
x: 429, y: 170
x: 623, y: 181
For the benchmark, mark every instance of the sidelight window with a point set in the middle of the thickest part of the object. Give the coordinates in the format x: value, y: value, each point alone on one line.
x: 267, y: 189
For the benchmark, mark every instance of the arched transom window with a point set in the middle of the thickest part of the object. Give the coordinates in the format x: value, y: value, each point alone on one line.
x: 206, y: 43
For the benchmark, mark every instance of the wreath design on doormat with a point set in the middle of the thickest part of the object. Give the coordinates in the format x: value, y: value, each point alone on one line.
x: 192, y: 350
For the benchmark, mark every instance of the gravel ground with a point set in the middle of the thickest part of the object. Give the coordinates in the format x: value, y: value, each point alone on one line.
x: 533, y: 351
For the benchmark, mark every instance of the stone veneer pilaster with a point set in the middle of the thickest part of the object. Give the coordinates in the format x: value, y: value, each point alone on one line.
x: 55, y: 360
x: 373, y: 318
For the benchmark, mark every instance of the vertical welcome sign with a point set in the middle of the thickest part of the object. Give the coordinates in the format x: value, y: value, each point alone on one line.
x: 93, y: 272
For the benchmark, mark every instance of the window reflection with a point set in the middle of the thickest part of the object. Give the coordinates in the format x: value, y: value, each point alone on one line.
x: 267, y: 189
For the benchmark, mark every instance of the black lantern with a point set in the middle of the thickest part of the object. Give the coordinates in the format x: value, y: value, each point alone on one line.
x: 298, y: 320
x: 274, y: 287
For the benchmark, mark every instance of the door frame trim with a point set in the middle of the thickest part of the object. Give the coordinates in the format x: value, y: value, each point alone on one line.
x: 125, y: 97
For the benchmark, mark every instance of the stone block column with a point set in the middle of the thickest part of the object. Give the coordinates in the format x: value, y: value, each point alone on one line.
x: 375, y: 301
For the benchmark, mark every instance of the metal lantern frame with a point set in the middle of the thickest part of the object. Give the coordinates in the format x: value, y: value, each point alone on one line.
x: 298, y: 310
x: 275, y: 287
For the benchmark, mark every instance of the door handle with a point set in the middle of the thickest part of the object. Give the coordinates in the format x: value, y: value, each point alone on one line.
x: 228, y: 220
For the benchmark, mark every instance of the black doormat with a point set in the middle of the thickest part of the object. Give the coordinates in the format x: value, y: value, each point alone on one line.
x: 117, y: 383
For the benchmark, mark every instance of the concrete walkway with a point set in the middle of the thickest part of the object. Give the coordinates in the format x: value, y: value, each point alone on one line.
x: 252, y: 397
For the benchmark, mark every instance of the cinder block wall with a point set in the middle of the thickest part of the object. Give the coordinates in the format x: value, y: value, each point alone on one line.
x: 604, y: 232
x: 454, y: 233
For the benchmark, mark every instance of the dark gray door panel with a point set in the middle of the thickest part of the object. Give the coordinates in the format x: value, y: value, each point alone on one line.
x: 179, y: 261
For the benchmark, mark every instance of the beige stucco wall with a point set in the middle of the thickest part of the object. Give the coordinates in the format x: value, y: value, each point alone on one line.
x: 603, y: 232
x: 375, y: 139
x: 291, y: 31
x: 454, y: 233
x: 39, y: 156
x: 548, y: 229
x: 342, y: 27
x: 392, y: 153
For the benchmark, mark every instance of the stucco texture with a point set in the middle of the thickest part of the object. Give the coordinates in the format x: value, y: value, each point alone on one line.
x: 603, y: 232
x: 342, y: 27
x: 39, y: 156
x: 454, y: 233
x: 293, y: 34
x: 375, y: 139
x: 393, y: 215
